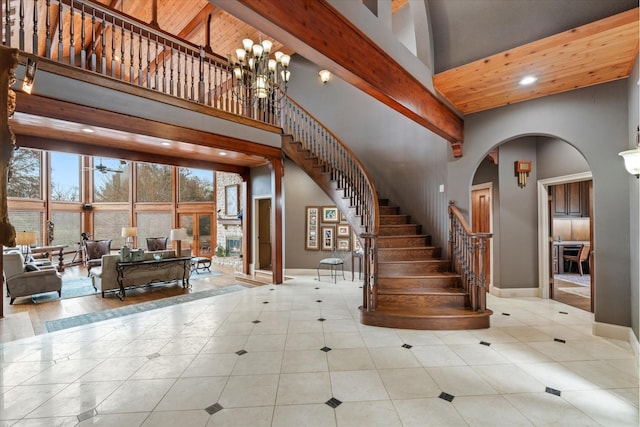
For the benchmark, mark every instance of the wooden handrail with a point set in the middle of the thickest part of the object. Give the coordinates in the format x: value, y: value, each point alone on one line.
x: 468, y: 256
x: 350, y: 175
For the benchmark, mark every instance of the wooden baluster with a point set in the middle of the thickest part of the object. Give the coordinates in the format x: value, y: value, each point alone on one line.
x: 178, y: 83
x: 72, y: 41
x: 47, y: 52
x: 7, y: 17
x: 148, y: 65
x: 122, y: 52
x: 193, y: 72
x: 132, y: 68
x: 155, y: 62
x: 34, y: 47
x: 186, y: 72
x: 83, y: 50
x: 21, y: 31
x: 60, y: 38
x: 171, y: 72
x: 93, y: 41
x: 103, y: 47
x: 113, y: 50
x: 164, y: 66
x: 201, y: 76
x: 140, y: 79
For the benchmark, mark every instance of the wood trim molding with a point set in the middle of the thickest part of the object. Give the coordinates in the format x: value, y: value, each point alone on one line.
x: 314, y: 29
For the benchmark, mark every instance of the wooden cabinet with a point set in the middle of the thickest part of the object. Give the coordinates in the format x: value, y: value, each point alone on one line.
x: 571, y: 199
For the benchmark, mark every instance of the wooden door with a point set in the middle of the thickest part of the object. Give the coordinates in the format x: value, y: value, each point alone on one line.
x: 264, y: 234
x: 481, y: 223
x: 199, y: 229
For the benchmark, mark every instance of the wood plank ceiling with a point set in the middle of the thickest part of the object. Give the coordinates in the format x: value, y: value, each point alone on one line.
x: 595, y: 53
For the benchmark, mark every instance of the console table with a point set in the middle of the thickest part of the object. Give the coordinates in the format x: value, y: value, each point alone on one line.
x: 155, y: 271
x: 50, y: 251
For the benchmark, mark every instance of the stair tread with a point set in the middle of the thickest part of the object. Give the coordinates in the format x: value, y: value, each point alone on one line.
x: 434, y: 312
x: 421, y: 291
x: 408, y: 248
x: 422, y: 276
x: 404, y: 236
x: 429, y: 260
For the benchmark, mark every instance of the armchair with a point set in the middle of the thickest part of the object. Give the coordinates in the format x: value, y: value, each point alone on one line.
x: 22, y: 283
x: 157, y: 243
x: 93, y: 251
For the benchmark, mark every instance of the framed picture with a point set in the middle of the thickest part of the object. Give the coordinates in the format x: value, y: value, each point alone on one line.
x: 328, y: 237
x: 357, y: 246
x: 343, y: 243
x: 330, y: 214
x: 343, y: 230
x: 312, y: 239
x: 231, y: 200
x: 343, y: 217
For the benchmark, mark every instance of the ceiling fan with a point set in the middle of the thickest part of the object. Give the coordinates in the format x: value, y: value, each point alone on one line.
x: 100, y: 167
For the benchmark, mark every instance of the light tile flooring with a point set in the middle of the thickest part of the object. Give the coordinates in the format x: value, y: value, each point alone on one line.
x: 296, y: 355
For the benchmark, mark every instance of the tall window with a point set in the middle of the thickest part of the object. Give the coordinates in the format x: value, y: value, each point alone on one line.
x: 195, y: 185
x: 108, y: 225
x: 66, y: 230
x: 65, y: 177
x: 152, y: 224
x: 110, y: 181
x: 28, y: 221
x: 25, y: 181
x: 153, y: 182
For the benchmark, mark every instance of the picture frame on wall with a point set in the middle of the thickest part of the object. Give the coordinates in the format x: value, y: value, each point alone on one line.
x: 343, y: 244
x: 343, y: 230
x: 330, y: 214
x: 328, y: 237
x: 231, y: 200
x: 357, y: 246
x: 343, y: 217
x: 312, y: 242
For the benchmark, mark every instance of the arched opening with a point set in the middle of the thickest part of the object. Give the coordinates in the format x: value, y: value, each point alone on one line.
x: 527, y: 210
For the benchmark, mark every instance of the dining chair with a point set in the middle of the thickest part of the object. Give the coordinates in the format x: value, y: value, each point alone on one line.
x: 579, y: 258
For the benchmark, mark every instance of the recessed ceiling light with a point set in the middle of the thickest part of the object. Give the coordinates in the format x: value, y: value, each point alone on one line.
x: 165, y: 143
x: 87, y: 130
x: 222, y: 153
x: 527, y: 80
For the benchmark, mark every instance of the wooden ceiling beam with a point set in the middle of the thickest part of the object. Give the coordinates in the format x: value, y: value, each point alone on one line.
x: 314, y: 29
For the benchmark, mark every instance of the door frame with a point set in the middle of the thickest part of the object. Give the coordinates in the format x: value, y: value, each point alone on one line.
x: 483, y: 186
x: 543, y: 226
x: 254, y: 230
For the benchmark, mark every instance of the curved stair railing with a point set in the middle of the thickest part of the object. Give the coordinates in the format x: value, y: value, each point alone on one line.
x: 468, y: 251
x: 343, y: 167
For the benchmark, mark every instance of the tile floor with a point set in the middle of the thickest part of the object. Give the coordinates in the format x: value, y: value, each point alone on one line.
x: 295, y: 354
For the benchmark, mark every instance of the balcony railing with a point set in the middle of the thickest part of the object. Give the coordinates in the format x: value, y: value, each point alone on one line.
x: 99, y: 39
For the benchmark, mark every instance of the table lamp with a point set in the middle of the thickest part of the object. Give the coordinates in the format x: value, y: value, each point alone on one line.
x: 178, y: 235
x: 129, y: 233
x: 25, y: 239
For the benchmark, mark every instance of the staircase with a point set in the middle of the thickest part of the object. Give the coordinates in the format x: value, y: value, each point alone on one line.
x: 407, y: 284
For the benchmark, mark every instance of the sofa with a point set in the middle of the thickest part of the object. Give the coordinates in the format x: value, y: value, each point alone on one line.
x: 105, y: 278
x: 25, y: 280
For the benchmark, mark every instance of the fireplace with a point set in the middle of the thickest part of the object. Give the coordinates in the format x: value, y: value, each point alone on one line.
x: 233, y: 246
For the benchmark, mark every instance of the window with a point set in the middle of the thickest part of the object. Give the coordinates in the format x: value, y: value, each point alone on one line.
x: 195, y: 185
x: 152, y: 224
x: 28, y: 221
x: 25, y: 181
x: 153, y: 182
x: 66, y: 230
x: 65, y: 177
x: 110, y: 181
x: 108, y: 225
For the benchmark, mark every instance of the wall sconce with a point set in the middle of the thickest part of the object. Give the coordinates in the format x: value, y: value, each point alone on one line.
x: 325, y: 75
x: 632, y: 157
x: 523, y: 168
x: 178, y: 235
x: 129, y: 233
x: 29, y: 75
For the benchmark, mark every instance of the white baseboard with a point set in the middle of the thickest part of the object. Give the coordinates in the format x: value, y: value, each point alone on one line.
x: 616, y: 332
x: 515, y: 292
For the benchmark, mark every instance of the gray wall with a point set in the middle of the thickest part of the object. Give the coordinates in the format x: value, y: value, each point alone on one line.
x: 406, y: 162
x: 595, y: 121
x: 557, y: 158
x: 634, y: 198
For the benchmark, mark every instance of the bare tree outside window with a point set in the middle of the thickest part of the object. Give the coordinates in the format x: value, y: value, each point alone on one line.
x: 195, y: 185
x: 26, y: 174
x: 153, y: 182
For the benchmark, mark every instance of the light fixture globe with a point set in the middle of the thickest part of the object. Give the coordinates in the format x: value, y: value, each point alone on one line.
x: 632, y: 161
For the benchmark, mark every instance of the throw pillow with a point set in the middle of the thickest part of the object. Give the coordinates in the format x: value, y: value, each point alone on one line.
x: 30, y: 267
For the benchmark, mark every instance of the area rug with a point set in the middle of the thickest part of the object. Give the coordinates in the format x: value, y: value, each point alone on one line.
x: 84, y: 319
x: 81, y: 287
x: 582, y: 291
x: 584, y: 280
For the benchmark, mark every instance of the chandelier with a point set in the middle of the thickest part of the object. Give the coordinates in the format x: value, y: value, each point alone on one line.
x: 257, y: 76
